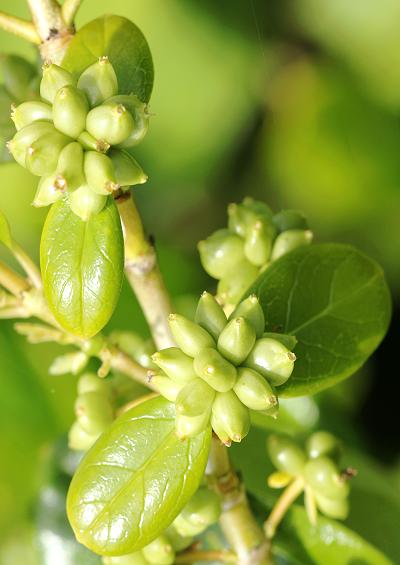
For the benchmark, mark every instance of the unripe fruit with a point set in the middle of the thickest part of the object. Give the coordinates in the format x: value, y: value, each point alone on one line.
x: 93, y: 412
x: 195, y: 398
x: 54, y: 78
x: 127, y: 170
x: 178, y: 542
x: 49, y: 191
x: 250, y: 309
x: 42, y: 155
x: 86, y: 203
x: 79, y: 439
x: 234, y: 284
x: 176, y: 364
x: 202, y: 510
x: 236, y: 340
x: 92, y: 144
x: 111, y: 122
x: 253, y: 390
x: 165, y: 386
x: 138, y: 111
x: 242, y: 217
x: 333, y: 508
x: 286, y: 455
x: 89, y: 382
x: 289, y: 240
x: 70, y: 108
x: 323, y: 443
x: 322, y: 475
x: 221, y: 252
x: 232, y: 416
x: 218, y: 427
x: 189, y: 336
x: 289, y: 341
x: 258, y: 243
x: 290, y: 220
x: 279, y: 479
x: 209, y: 315
x: 22, y: 140
x: 69, y: 172
x: 190, y: 426
x: 215, y: 369
x: 99, y: 81
x: 159, y: 551
x: 17, y: 75
x: 99, y: 172
x: 136, y: 558
x: 272, y: 359
x: 144, y: 353
x: 29, y: 112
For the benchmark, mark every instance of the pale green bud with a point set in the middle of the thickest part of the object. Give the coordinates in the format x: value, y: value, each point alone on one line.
x: 232, y: 416
x: 111, y: 122
x: 195, y: 398
x: 93, y: 411
x: 99, y: 81
x: 144, y: 352
x: 42, y: 155
x: 70, y: 108
x: 54, y: 78
x: 24, y: 138
x: 338, y: 509
x: 210, y: 315
x: 202, y: 510
x: 189, y: 336
x: 127, y: 170
x: 323, y: 476
x: 272, y: 359
x: 258, y: 243
x: 289, y: 240
x: 86, y: 203
x: 99, y: 172
x: 90, y: 143
x: 286, y: 455
x: 221, y: 252
x: 289, y: 341
x: 176, y: 364
x: 212, y: 367
x: 69, y: 172
x: 236, y: 282
x: 90, y: 382
x: 236, y: 340
x: 190, y: 426
x: 242, y: 217
x: 250, y: 309
x: 323, y: 443
x: 69, y: 363
x: 165, y: 386
x: 138, y: 111
x: 254, y: 390
x: 80, y: 440
x: 129, y: 342
x: 29, y: 112
x: 279, y: 479
x: 290, y: 220
x: 159, y: 551
x: 49, y: 191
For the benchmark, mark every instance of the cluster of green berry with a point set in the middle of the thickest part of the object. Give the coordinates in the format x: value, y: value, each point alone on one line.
x: 222, y: 368
x: 202, y: 511
x: 94, y: 412
x: 77, y: 137
x: 254, y: 238
x: 316, y: 466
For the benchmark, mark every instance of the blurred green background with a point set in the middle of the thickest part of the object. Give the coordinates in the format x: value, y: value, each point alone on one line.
x: 296, y: 103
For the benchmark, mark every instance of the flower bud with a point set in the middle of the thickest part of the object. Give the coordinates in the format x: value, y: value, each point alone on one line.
x: 90, y: 143
x: 99, y: 172
x: 42, y: 155
x: 279, y: 479
x: 323, y: 443
x: 221, y: 252
x: 49, y: 191
x: 176, y: 364
x: 323, y: 476
x: 338, y: 509
x: 159, y: 551
x: 17, y: 75
x: 99, y: 81
x: 232, y: 416
x: 258, y: 243
x: 236, y: 340
x: 86, y: 203
x: 69, y: 363
x: 70, y: 108
x: 136, y: 558
x: 165, y: 386
x: 236, y: 282
x: 286, y: 455
x: 189, y: 336
x: 289, y: 341
x: 127, y: 170
x: 80, y: 440
x: 22, y: 140
x: 202, y: 510
x: 195, y: 398
x: 215, y: 369
x: 29, y: 112
x: 93, y: 412
x: 254, y: 391
x: 144, y: 352
x: 250, y: 309
x: 290, y: 220
x: 242, y: 217
x: 89, y: 382
x: 272, y: 359
x: 209, y: 315
x: 289, y: 240
x: 69, y: 172
x: 54, y: 78
x: 111, y: 122
x: 190, y: 426
x: 138, y: 110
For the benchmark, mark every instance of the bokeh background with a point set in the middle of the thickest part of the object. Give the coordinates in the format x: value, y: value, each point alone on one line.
x: 293, y: 102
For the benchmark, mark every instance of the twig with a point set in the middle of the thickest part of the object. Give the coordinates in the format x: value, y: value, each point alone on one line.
x: 69, y: 10
x: 282, y: 505
x: 19, y: 27
x: 28, y: 265
x: 197, y: 556
x: 13, y: 282
x: 46, y: 16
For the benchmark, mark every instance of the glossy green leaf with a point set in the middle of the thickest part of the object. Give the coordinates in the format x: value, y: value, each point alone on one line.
x: 135, y: 480
x: 335, y: 301
x: 82, y: 266
x: 5, y: 232
x: 126, y: 47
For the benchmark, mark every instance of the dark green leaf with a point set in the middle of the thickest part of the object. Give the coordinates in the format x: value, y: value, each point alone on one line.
x: 135, y: 480
x: 126, y: 47
x: 335, y: 301
x: 82, y: 266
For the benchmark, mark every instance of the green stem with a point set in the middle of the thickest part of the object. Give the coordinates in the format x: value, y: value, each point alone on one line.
x: 198, y: 556
x: 13, y: 282
x: 69, y: 10
x: 27, y: 264
x: 46, y: 16
x: 19, y: 27
x: 143, y: 273
x: 282, y: 505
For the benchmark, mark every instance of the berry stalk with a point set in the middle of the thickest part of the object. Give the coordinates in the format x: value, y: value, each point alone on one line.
x: 19, y: 27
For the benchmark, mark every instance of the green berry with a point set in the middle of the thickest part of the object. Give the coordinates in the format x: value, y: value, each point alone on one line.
x: 272, y: 359
x: 254, y: 390
x: 69, y: 172
x: 190, y: 426
x: 79, y: 439
x: 86, y: 203
x: 243, y: 217
x: 179, y: 542
x: 231, y: 416
x: 29, y: 112
x: 202, y: 510
x: 258, y: 243
x: 70, y: 108
x: 93, y: 412
x: 17, y: 75
x: 323, y: 476
x: 159, y: 551
x: 54, y: 78
x: 49, y: 191
x: 165, y: 386
x: 323, y: 443
x: 289, y: 240
x: 42, y: 155
x: 24, y: 138
x: 189, y: 336
x: 90, y: 143
x: 110, y: 122
x: 195, y: 398
x: 138, y: 110
x: 212, y: 367
x: 144, y: 352
x: 286, y: 455
x: 127, y: 170
x: 209, y: 315
x: 99, y: 81
x: 236, y: 340
x: 136, y: 558
x: 290, y: 220
x: 236, y: 282
x: 289, y: 341
x: 176, y: 364
x: 338, y: 509
x: 221, y: 252
x: 250, y: 309
x: 89, y: 382
x: 99, y: 172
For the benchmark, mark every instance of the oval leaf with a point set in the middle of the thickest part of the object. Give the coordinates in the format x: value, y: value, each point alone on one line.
x: 135, y: 480
x: 126, y: 47
x: 335, y: 301
x: 82, y: 266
